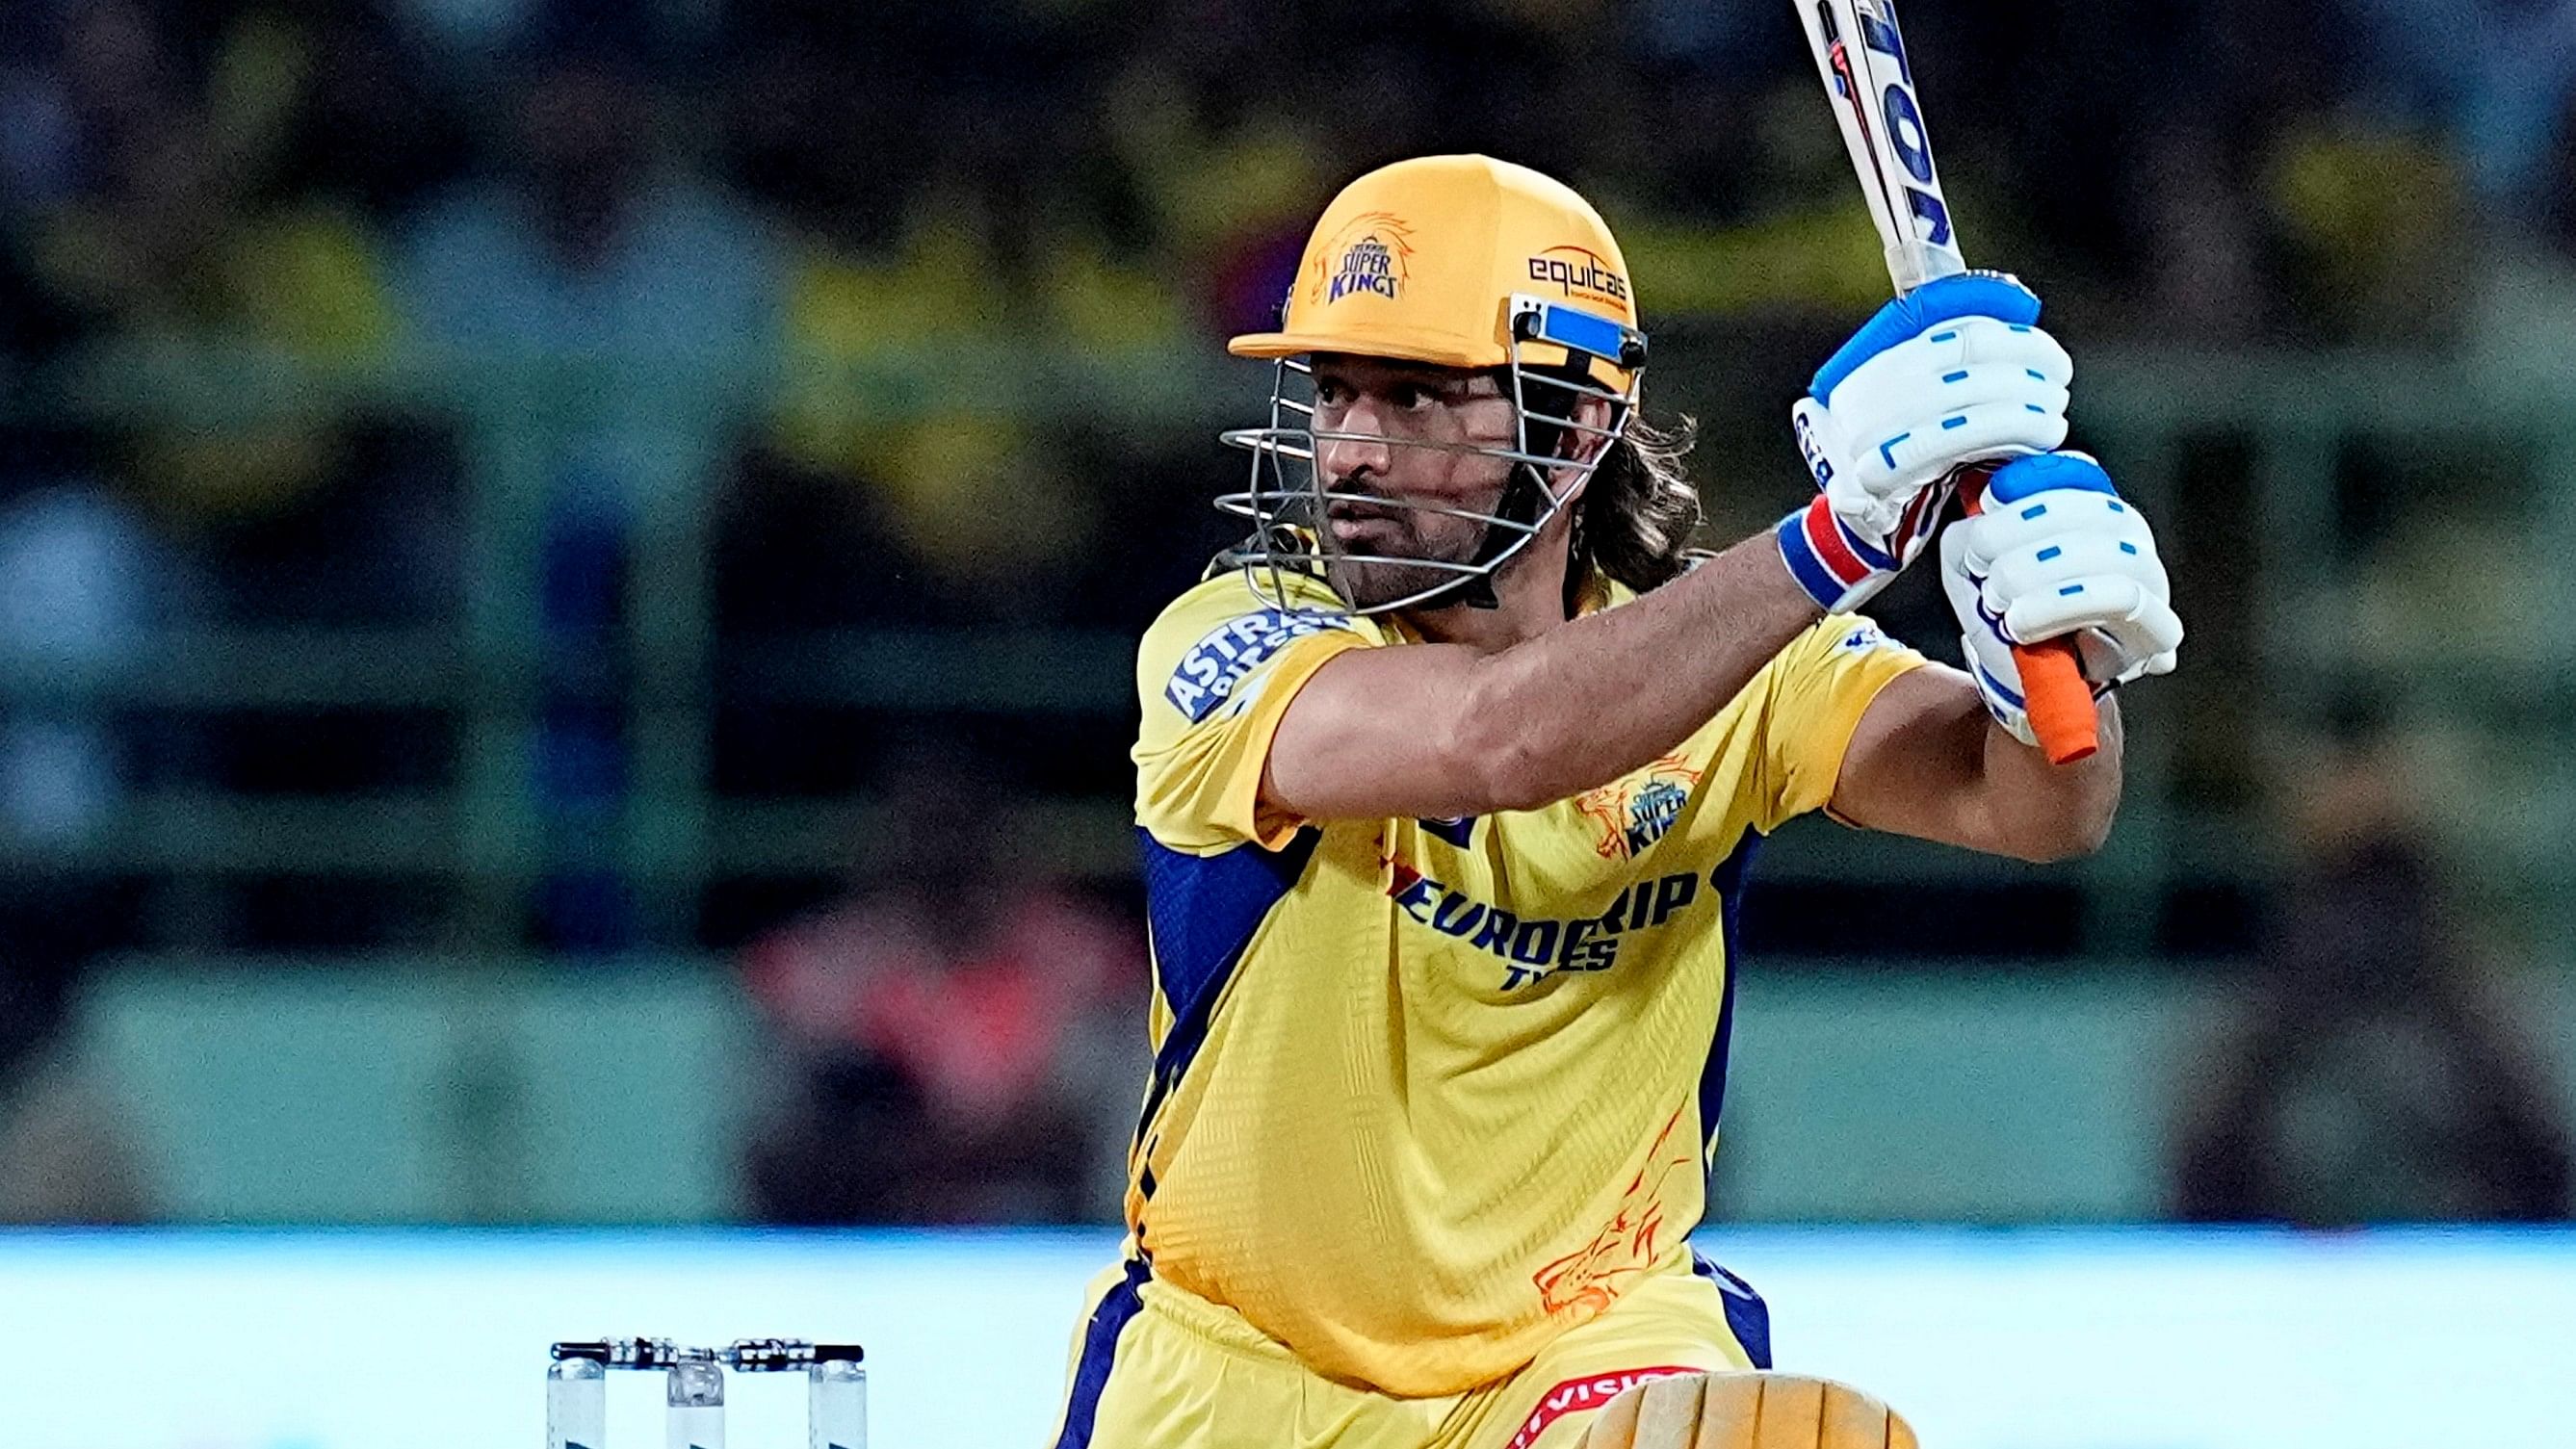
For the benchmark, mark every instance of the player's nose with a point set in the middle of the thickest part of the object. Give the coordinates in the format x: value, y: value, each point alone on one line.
x: 1357, y: 442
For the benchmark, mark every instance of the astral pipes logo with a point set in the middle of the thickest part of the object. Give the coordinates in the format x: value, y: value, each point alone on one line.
x: 1215, y: 667
x: 1582, y: 1396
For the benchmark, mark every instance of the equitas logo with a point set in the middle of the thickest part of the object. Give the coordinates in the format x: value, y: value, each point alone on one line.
x: 1579, y: 271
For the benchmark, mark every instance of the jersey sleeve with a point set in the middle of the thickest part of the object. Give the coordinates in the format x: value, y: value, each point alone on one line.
x: 1214, y: 676
x: 1817, y: 689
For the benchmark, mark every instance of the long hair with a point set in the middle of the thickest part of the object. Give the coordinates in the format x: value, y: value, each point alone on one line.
x: 1635, y: 519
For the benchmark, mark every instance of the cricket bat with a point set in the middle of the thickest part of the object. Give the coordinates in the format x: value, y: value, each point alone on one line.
x: 1869, y: 82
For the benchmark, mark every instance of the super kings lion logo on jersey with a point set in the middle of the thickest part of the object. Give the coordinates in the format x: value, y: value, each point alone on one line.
x: 1634, y: 813
x: 1585, y: 1282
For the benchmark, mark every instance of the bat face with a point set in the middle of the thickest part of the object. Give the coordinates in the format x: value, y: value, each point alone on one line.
x: 1860, y: 54
x: 1904, y: 119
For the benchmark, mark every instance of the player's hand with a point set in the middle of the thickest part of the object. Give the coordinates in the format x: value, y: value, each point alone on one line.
x: 2057, y: 552
x: 1956, y: 371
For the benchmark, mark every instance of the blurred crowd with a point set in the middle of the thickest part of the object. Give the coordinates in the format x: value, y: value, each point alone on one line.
x: 910, y: 314
x: 799, y: 193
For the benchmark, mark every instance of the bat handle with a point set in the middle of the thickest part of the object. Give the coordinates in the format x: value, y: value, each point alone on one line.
x: 2054, y: 694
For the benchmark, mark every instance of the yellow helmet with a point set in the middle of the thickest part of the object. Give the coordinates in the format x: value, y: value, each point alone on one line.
x: 1423, y: 260
x: 1455, y: 261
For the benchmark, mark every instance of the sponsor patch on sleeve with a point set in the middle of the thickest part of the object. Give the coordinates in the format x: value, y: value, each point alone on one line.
x: 1862, y: 638
x: 1215, y: 667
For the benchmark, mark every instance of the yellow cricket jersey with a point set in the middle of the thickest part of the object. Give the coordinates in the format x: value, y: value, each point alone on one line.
x: 1427, y: 1093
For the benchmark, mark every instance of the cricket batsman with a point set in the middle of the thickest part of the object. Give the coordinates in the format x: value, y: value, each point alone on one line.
x: 1448, y: 783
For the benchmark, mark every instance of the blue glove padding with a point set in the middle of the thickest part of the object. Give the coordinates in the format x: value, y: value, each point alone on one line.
x: 2057, y: 552
x: 1943, y: 299
x: 1955, y: 372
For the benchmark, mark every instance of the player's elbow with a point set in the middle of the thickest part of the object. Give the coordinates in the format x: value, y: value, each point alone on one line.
x: 1497, y: 768
x: 2062, y: 836
x: 1502, y: 757
x: 1521, y: 779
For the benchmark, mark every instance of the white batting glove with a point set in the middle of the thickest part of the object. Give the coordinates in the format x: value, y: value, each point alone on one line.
x: 2057, y: 552
x: 1956, y: 371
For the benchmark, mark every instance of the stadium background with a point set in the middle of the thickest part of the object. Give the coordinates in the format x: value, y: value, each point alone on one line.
x: 568, y: 571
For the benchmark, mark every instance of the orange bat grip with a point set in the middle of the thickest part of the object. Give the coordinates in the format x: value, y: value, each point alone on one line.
x: 2053, y: 690
x: 2059, y: 701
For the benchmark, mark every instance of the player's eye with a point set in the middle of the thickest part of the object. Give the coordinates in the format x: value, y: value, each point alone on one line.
x: 1331, y: 392
x: 1412, y: 397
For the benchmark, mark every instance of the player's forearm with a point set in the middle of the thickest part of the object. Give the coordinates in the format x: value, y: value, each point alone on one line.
x: 2043, y: 812
x: 1586, y: 703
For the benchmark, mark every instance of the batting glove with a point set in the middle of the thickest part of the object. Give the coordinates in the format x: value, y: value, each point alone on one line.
x: 1956, y: 371
x: 2057, y: 552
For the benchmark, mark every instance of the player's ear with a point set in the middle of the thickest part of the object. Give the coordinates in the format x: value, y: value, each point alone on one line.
x: 1587, y: 443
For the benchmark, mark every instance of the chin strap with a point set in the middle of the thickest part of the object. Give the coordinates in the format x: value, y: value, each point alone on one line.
x: 1578, y: 569
x: 1524, y: 499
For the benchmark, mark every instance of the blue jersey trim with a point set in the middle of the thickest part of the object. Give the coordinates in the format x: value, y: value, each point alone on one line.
x: 1747, y: 1316
x: 1202, y: 911
x: 1462, y: 830
x: 1099, y: 1347
x: 1728, y: 878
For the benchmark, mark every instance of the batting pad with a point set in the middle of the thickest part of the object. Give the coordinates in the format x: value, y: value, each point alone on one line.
x: 1747, y: 1411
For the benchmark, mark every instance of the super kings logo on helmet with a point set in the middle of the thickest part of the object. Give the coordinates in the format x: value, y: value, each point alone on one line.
x: 1372, y: 254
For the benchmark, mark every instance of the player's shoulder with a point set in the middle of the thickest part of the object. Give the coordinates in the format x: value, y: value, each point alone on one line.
x: 1837, y: 653
x: 1833, y: 639
x: 1228, y: 592
x: 1837, y: 637
x: 1239, y: 607
x: 1224, y: 628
